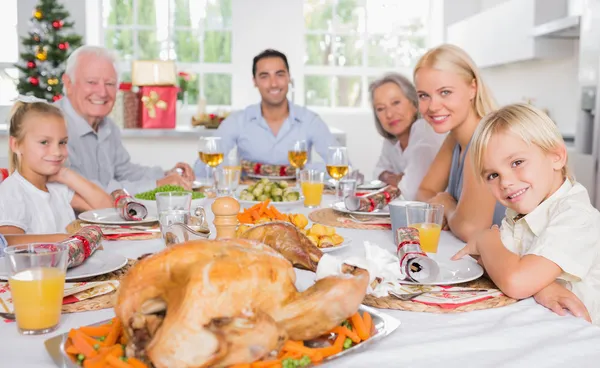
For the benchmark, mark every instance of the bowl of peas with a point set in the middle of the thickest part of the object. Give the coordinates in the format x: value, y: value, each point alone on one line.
x: 148, y: 198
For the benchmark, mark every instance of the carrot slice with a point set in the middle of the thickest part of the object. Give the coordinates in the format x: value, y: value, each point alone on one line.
x: 346, y: 331
x: 116, y: 362
x: 368, y: 320
x: 359, y: 326
x: 83, y: 345
x: 99, y: 361
x: 135, y: 363
x: 266, y: 364
x: 89, y: 339
x: 295, y: 347
x: 114, y: 333
x: 337, y: 346
x: 240, y: 365
x: 95, y: 331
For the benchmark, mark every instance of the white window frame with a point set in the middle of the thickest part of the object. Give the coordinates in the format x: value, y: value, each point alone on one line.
x: 199, y: 68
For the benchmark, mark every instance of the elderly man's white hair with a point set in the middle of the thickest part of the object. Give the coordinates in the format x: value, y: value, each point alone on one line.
x: 97, y: 51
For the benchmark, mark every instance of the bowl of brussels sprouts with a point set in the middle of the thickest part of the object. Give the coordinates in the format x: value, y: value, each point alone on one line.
x: 279, y: 193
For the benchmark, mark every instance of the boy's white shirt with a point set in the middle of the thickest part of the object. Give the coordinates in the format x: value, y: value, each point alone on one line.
x: 34, y: 211
x: 564, y: 229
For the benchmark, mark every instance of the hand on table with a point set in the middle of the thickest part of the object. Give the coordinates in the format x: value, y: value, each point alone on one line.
x: 560, y: 300
x: 175, y: 179
x: 472, y: 245
x: 186, y: 171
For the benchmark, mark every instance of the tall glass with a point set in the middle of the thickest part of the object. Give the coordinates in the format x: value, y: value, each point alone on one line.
x: 337, y: 165
x: 36, y: 275
x: 298, y: 156
x: 173, y: 207
x: 211, y: 153
x: 427, y: 218
x: 227, y: 181
x: 311, y: 182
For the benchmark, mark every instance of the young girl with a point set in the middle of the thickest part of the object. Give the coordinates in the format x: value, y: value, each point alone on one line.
x: 453, y: 98
x: 40, y: 194
x: 551, y: 230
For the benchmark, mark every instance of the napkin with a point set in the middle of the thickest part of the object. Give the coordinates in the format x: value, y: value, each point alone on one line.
x: 74, y: 292
x: 384, y: 273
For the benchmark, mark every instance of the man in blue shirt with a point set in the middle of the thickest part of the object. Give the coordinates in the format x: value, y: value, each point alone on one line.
x: 265, y: 132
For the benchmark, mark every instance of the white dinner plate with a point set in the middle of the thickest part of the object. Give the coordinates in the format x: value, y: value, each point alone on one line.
x: 110, y: 216
x: 100, y: 263
x: 372, y: 185
x: 254, y: 176
x: 341, y: 207
x: 453, y: 272
x: 346, y: 243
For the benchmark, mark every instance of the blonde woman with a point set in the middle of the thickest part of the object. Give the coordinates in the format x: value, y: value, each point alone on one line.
x: 550, y: 231
x: 410, y: 144
x: 452, y: 99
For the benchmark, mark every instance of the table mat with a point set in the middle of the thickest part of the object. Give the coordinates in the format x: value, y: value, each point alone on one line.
x: 103, y: 301
x: 390, y: 302
x: 329, y: 217
x: 76, y: 225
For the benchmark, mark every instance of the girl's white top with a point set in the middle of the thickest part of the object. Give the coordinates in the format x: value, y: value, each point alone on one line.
x: 36, y: 212
x: 423, y: 145
x: 565, y: 229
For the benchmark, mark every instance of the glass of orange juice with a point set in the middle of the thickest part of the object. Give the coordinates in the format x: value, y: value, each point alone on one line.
x: 311, y: 182
x: 36, y: 276
x: 427, y: 218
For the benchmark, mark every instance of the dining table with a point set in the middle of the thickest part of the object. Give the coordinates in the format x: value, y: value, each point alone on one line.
x: 523, y: 334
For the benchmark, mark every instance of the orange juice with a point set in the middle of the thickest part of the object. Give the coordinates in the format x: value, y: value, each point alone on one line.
x: 37, y: 297
x: 313, y: 192
x: 429, y: 234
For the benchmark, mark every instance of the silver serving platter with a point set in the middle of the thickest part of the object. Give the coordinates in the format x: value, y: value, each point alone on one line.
x: 384, y: 325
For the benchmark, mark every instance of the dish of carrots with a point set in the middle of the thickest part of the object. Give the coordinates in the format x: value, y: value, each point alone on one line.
x: 259, y: 211
x: 353, y: 331
x: 103, y: 346
x: 100, y: 346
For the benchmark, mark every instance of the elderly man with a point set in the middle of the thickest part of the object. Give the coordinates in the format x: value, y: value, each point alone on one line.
x: 95, y: 147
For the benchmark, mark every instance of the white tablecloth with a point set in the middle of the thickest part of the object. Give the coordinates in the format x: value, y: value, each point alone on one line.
x: 520, y: 335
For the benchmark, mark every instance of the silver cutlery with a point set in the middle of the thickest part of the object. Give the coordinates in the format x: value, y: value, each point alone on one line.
x: 10, y: 316
x: 407, y: 297
x: 369, y: 220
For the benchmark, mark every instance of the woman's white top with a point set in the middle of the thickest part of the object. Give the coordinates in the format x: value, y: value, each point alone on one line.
x: 36, y: 212
x: 423, y: 145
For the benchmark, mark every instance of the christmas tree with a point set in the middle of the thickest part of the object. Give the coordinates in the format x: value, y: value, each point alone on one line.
x: 45, y: 51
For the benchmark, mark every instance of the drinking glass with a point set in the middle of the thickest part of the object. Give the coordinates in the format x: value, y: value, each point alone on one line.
x: 211, y: 153
x: 227, y: 181
x: 337, y: 165
x: 298, y: 156
x: 427, y: 218
x: 36, y: 275
x: 311, y: 182
x: 173, y: 207
x: 346, y: 187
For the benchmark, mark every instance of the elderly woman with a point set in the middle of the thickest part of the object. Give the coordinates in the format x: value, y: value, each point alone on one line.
x: 410, y: 144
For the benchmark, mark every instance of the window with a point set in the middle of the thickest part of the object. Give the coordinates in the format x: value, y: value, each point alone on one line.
x: 351, y: 42
x: 194, y: 33
x: 8, y: 52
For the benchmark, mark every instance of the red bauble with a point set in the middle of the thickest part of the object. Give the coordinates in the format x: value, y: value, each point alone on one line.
x: 56, y: 98
x: 34, y: 81
x: 30, y: 64
x: 63, y: 45
x: 57, y: 24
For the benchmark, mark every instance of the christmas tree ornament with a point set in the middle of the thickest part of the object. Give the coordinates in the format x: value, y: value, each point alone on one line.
x: 49, y: 89
x: 53, y: 81
x: 31, y: 64
x: 34, y: 81
x: 57, y: 24
x: 41, y: 56
x: 56, y: 97
x: 38, y: 14
x: 63, y: 45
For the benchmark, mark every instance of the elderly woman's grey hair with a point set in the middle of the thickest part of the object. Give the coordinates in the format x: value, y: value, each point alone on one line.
x: 407, y: 88
x: 97, y: 51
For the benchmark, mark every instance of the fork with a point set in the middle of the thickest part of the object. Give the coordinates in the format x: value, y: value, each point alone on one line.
x: 407, y: 297
x: 368, y: 220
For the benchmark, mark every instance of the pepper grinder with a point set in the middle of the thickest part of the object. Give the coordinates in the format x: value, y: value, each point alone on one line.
x: 226, y: 210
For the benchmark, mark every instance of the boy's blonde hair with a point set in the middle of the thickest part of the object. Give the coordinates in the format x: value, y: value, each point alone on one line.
x: 523, y: 120
x: 454, y: 59
x: 19, y: 113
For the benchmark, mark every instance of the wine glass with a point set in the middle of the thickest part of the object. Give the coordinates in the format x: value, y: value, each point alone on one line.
x: 298, y: 156
x: 337, y: 164
x: 211, y: 153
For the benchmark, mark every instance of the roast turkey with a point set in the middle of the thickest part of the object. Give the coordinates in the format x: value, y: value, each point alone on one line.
x: 215, y: 303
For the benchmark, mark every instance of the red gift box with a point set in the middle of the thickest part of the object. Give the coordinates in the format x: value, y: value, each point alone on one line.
x: 158, y: 107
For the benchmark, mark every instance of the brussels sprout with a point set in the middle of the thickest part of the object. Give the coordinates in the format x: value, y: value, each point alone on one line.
x: 267, y: 189
x: 262, y: 197
x: 276, y: 192
x: 246, y: 197
x: 258, y: 191
x: 277, y: 199
x: 264, y: 180
x: 288, y: 190
x: 283, y: 184
x: 251, y: 188
x: 291, y: 197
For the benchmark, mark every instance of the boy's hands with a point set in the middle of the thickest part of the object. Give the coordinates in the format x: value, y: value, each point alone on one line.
x: 477, y: 241
x: 560, y: 300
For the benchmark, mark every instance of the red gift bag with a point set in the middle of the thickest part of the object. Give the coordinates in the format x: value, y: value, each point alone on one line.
x: 158, y: 107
